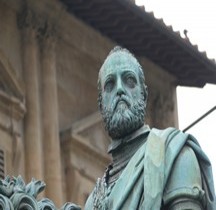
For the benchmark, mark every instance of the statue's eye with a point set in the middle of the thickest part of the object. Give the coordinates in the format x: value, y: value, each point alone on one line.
x: 109, y: 85
x: 131, y: 81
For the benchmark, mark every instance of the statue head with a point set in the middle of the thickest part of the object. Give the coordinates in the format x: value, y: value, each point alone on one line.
x: 122, y: 93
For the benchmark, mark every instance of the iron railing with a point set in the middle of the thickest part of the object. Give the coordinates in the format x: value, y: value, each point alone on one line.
x: 199, y: 119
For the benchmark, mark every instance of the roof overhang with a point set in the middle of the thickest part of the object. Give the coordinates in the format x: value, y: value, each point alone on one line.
x: 132, y: 27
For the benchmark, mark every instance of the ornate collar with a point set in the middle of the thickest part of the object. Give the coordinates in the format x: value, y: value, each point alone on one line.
x: 120, y: 142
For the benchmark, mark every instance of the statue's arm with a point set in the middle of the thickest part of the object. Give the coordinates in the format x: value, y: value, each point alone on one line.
x: 184, y: 187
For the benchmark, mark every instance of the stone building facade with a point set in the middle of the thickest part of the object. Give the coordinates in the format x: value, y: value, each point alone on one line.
x: 50, y: 128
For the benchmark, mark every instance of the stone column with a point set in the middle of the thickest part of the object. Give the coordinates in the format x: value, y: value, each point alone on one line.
x: 51, y: 143
x: 32, y: 131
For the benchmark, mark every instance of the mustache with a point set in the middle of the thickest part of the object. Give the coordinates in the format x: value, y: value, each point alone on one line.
x: 117, y: 99
x: 119, y: 124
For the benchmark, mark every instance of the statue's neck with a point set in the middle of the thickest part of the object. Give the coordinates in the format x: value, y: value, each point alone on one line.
x: 117, y: 144
x: 123, y: 152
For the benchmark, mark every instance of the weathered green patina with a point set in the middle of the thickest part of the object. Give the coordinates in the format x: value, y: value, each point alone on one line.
x: 16, y: 195
x: 152, y: 169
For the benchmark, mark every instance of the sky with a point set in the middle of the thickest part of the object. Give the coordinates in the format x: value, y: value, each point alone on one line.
x: 198, y: 17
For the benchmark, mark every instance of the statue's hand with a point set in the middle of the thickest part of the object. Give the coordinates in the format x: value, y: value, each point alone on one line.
x: 70, y: 206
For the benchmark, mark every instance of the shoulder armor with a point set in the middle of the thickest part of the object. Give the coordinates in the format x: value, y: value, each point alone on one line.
x: 185, y: 178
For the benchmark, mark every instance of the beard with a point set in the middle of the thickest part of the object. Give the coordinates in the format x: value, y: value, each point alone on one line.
x: 122, y: 120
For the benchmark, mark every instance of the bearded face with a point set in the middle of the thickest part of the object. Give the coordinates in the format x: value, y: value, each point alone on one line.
x: 125, y: 116
x: 122, y: 95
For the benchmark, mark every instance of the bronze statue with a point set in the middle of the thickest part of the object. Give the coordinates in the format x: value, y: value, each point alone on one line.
x: 152, y: 169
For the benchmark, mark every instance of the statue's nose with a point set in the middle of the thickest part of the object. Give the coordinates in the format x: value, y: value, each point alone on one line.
x: 120, y: 88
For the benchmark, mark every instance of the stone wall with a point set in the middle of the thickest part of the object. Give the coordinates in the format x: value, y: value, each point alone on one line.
x: 12, y: 107
x: 10, y: 44
x: 80, y: 51
x: 162, y: 101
